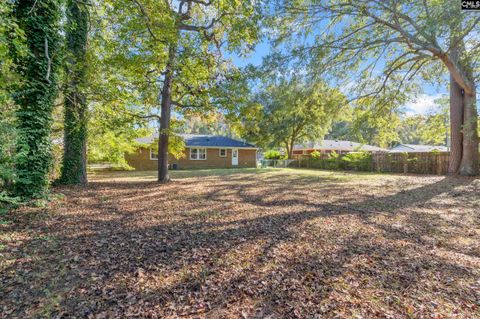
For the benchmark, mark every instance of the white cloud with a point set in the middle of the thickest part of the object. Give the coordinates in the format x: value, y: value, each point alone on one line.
x: 422, y: 104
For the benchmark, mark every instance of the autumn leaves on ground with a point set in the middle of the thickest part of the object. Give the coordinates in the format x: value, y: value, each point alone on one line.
x: 247, y: 244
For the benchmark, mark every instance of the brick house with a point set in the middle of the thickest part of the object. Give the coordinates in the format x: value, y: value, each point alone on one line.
x: 201, y: 151
x: 329, y: 146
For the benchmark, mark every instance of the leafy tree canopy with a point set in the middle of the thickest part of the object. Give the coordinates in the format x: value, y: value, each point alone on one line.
x: 134, y: 42
x: 149, y: 53
x: 378, y: 47
x: 389, y: 42
x: 431, y: 129
x: 291, y: 111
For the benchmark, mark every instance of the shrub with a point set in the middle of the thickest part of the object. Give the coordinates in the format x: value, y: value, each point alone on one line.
x: 334, y: 161
x: 7, y: 147
x: 273, y: 155
x: 358, y: 161
x: 315, y: 154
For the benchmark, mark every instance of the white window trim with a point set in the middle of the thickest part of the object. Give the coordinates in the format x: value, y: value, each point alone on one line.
x: 198, y: 148
x: 151, y: 157
x: 220, y: 152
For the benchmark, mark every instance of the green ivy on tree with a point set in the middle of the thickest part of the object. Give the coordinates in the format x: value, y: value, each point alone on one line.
x: 11, y: 39
x: 74, y: 168
x: 39, y: 20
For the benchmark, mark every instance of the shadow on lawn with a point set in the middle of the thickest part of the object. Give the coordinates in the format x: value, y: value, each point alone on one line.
x: 263, y: 258
x: 142, y: 176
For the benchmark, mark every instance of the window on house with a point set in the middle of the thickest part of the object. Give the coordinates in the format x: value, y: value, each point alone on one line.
x: 153, y: 155
x: 222, y: 152
x: 198, y: 154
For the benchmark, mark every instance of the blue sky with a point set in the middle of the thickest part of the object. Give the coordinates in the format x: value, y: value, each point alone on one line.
x: 421, y: 105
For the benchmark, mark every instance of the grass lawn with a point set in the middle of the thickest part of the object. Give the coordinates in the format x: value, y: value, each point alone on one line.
x: 247, y: 243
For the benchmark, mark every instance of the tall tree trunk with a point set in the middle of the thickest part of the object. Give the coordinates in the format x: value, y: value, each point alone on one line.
x: 74, y: 169
x: 456, y: 122
x: 469, y: 164
x: 292, y: 144
x: 166, y: 106
x: 463, y: 113
x: 39, y: 19
x: 287, y: 148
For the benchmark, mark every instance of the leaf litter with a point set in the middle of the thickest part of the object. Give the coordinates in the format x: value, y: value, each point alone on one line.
x: 278, y: 244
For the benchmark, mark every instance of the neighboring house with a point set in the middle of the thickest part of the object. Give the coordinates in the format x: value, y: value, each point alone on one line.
x: 412, y: 148
x: 329, y: 146
x: 201, y: 151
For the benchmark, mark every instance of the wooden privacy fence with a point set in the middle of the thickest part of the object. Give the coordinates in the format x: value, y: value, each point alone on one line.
x: 415, y: 163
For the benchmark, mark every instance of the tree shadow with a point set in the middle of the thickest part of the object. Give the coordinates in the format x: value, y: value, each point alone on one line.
x: 417, y: 196
x: 123, y: 249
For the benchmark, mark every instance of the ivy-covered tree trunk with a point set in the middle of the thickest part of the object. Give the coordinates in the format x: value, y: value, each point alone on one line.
x: 74, y: 168
x: 166, y: 111
x: 39, y: 19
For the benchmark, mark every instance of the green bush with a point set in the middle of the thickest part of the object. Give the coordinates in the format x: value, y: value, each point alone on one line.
x: 358, y: 161
x: 315, y: 155
x: 273, y: 155
x: 334, y: 161
x: 7, y: 147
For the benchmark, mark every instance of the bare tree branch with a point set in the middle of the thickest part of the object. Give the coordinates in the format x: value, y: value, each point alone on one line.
x: 147, y: 116
x: 33, y: 7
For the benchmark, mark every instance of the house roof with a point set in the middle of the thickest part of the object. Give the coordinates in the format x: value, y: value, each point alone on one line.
x: 414, y: 148
x: 192, y: 140
x: 338, y: 146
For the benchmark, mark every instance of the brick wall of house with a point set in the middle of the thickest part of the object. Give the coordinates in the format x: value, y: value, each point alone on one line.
x: 141, y: 161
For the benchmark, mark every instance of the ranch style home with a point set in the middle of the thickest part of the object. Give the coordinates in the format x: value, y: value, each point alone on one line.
x: 201, y: 151
x: 329, y: 146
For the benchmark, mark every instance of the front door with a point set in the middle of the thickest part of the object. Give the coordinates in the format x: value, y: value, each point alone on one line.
x: 234, y: 157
